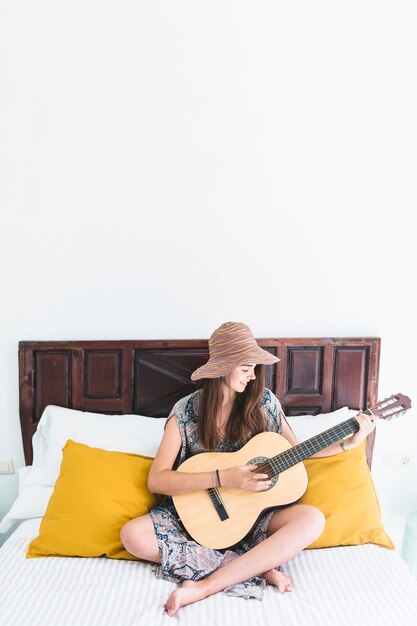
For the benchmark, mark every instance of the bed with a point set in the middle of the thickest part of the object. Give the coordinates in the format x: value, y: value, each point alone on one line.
x: 111, y: 397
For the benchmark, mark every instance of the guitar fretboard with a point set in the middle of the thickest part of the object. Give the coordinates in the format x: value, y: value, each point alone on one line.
x: 305, y: 449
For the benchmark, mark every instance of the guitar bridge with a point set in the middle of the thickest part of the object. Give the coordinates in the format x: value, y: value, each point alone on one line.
x: 218, y: 504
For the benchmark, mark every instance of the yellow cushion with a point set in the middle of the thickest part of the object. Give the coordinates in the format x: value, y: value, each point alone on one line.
x: 97, y: 491
x: 341, y: 486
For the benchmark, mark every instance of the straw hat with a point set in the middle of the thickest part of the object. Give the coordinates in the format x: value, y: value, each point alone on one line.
x: 230, y: 345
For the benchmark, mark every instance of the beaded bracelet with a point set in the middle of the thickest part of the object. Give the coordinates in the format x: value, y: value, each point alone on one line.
x: 218, y: 478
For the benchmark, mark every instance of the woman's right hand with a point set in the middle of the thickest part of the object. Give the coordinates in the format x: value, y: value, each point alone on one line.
x: 244, y: 477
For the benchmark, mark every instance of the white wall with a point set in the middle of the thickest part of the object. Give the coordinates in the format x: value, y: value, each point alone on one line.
x: 169, y: 166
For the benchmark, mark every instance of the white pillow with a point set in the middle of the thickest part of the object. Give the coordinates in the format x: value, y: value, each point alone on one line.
x: 306, y: 426
x: 31, y: 502
x: 118, y: 442
x: 59, y: 424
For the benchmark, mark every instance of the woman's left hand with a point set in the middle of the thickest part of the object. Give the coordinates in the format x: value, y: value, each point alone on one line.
x: 367, y: 424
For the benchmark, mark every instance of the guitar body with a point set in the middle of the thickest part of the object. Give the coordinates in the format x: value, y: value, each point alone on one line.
x: 196, y: 509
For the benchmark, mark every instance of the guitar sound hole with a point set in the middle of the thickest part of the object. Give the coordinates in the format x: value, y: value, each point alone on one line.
x: 258, y: 460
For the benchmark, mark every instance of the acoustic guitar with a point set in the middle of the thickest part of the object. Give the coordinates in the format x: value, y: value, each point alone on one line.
x: 220, y: 517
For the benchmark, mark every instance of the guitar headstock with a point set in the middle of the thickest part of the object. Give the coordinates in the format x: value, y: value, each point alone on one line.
x: 393, y: 406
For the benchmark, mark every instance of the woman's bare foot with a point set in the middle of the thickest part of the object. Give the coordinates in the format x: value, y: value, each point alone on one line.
x: 280, y: 580
x: 189, y: 592
x: 192, y: 591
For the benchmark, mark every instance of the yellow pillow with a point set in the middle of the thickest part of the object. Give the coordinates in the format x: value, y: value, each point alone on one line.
x: 97, y: 491
x: 341, y: 486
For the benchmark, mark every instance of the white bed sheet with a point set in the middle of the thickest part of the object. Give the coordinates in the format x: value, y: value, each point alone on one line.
x: 332, y: 587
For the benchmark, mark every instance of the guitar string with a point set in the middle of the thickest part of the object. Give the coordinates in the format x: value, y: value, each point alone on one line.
x: 294, y: 455
x: 289, y: 458
x: 303, y: 450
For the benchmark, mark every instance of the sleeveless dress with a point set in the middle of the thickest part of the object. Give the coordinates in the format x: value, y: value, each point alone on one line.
x: 181, y: 557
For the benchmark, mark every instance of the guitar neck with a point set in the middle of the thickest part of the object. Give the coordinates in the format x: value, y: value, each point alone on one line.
x: 307, y: 448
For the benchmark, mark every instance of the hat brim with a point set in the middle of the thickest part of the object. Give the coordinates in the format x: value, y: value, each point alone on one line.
x: 217, y: 367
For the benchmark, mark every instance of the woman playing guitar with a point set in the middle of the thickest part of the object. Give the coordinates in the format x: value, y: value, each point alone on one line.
x: 230, y: 406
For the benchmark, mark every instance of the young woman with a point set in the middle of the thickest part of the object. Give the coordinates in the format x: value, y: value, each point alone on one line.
x: 229, y: 408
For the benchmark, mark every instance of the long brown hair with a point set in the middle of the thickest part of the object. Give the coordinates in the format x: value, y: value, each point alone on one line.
x: 246, y: 418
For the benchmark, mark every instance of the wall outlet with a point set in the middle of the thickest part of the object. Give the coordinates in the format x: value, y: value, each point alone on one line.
x: 391, y: 460
x: 6, y: 466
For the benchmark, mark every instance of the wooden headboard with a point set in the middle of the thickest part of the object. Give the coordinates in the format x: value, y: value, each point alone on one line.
x: 147, y: 377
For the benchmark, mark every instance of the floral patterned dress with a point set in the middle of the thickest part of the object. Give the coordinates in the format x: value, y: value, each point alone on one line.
x: 181, y: 557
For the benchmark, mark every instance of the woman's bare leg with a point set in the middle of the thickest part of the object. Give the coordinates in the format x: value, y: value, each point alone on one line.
x: 138, y: 537
x: 290, y: 531
x: 273, y: 576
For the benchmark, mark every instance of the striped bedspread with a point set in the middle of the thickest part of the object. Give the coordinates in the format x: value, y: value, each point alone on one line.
x: 332, y: 587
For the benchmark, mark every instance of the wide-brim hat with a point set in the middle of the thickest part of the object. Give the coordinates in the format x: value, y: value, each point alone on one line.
x: 230, y: 345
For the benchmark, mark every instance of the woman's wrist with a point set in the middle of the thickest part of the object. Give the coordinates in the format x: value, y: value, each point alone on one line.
x: 349, y: 443
x: 217, y: 479
x: 343, y: 446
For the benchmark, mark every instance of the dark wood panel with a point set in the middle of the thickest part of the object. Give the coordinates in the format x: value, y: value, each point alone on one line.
x: 52, y: 380
x: 163, y: 376
x: 350, y: 377
x: 292, y: 411
x: 305, y: 370
x: 103, y: 369
x: 102, y: 377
